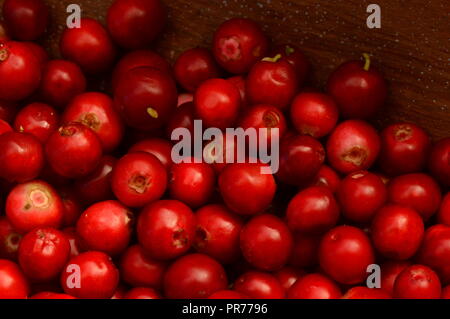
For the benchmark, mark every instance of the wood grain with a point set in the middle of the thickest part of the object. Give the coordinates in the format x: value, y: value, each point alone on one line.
x: 411, y: 48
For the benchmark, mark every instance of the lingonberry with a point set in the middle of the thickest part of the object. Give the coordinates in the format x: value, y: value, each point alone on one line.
x: 192, y: 183
x: 98, y: 276
x: 13, y: 283
x: 259, y: 285
x: 139, y: 270
x: 304, y: 250
x: 326, y: 176
x: 193, y: 67
x: 138, y: 179
x: 142, y: 293
x: 266, y: 242
x: 194, y: 276
x: 72, y: 206
x: 183, y: 117
x: 223, y: 150
x: 353, y: 145
x: 134, y: 24
x: 217, y: 103
x: 61, y: 81
x: 21, y: 158
x: 146, y: 97
x: 358, y: 89
x: 238, y: 44
x: 417, y: 282
x: 95, y: 110
x: 239, y: 82
x: 301, y: 157
x: 435, y: 251
x: 362, y: 292
x: 314, y: 114
x: 240, y: 181
x: 217, y: 233
x: 439, y: 160
x: 43, y: 253
x: 288, y: 276
x: 418, y: 191
x: 344, y: 254
x: 136, y: 59
x: 38, y: 119
x: 227, y: 294
x: 397, y: 232
x: 26, y: 20
x: 9, y: 240
x: 90, y: 37
x: 34, y: 204
x: 272, y: 81
x: 20, y: 71
x: 74, y: 150
x: 39, y: 52
x: 74, y: 241
x: 443, y: 215
x: 296, y: 58
x: 360, y: 195
x: 389, y: 272
x: 314, y: 286
x: 166, y: 229
x: 105, y: 226
x: 265, y: 117
x: 159, y: 147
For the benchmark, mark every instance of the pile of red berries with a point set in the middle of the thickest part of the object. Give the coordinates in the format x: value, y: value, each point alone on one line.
x: 95, y: 207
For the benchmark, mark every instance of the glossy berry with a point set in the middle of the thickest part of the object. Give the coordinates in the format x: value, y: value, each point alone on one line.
x: 21, y: 158
x: 259, y: 285
x: 240, y: 181
x: 314, y: 114
x: 390, y: 272
x: 417, y: 282
x: 238, y: 44
x: 296, y: 58
x: 183, y: 117
x: 313, y: 210
x: 90, y: 37
x: 138, y: 179
x: 194, y: 276
x: 239, y: 82
x: 9, y: 240
x: 43, y: 253
x: 98, y: 277
x: 166, y: 229
x: 327, y: 177
x: 158, y: 147
x: 362, y: 292
x: 444, y: 211
x: 397, y: 232
x: 73, y: 151
x: 134, y: 24
x: 26, y: 20
x: 72, y: 206
x: 142, y: 293
x: 13, y: 283
x: 344, y: 254
x: 314, y: 286
x: 353, y: 145
x: 439, y: 160
x: 361, y: 194
x: 266, y: 242
x: 34, y: 204
x: 105, y: 226
x: 288, y: 275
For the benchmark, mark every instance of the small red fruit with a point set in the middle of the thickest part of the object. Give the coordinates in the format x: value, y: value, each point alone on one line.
x: 327, y: 177
x: 389, y: 272
x: 26, y: 20
x: 314, y: 286
x: 444, y: 211
x: 296, y: 58
x: 439, y: 161
x: 288, y: 276
x: 13, y: 283
x: 158, y: 147
x: 366, y: 293
x: 259, y: 285
x: 417, y: 282
x: 142, y: 293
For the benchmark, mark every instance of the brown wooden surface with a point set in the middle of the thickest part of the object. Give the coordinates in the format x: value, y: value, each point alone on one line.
x: 411, y: 48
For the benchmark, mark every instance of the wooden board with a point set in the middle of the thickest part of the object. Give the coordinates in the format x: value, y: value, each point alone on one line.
x: 411, y: 48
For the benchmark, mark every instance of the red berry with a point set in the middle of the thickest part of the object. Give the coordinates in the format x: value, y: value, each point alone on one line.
x: 439, y: 161
x: 13, y: 284
x: 43, y: 253
x: 217, y: 103
x: 314, y: 114
x: 51, y: 295
x: 360, y: 195
x: 160, y: 148
x: 142, y: 293
x: 105, y: 226
x: 39, y: 52
x: 138, y: 179
x: 354, y: 145
x: 183, y: 117
x: 89, y: 46
x: 61, y: 81
x: 98, y: 277
x: 74, y: 150
x: 296, y: 58
x: 358, y: 88
x: 20, y: 71
x: 418, y: 191
x: 195, y: 66
x: 344, y: 254
x: 272, y: 81
x: 166, y: 229
x: 21, y: 158
x: 259, y: 285
x: 243, y: 181
x: 95, y: 110
x: 238, y: 44
x: 74, y: 240
x: 366, y: 293
x: 240, y: 83
x: 72, y: 206
x: 417, y: 282
x: 134, y: 24
x: 266, y: 242
x: 327, y: 177
x: 9, y: 240
x: 444, y: 212
x: 4, y: 127
x: 227, y: 294
x: 194, y: 276
x: 34, y: 204
x: 145, y: 97
x: 397, y: 232
x: 314, y: 286
x: 288, y: 276
x: 389, y: 272
x: 312, y: 210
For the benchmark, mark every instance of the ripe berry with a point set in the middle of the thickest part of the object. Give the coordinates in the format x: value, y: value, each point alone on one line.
x: 417, y: 282
x: 13, y: 283
x: 296, y: 58
x: 142, y: 293
x: 183, y: 117
x: 327, y: 177
x: 444, y: 211
x: 314, y: 286
x: 158, y: 147
x: 288, y: 275
x: 259, y: 285
x: 439, y: 160
x: 389, y: 272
